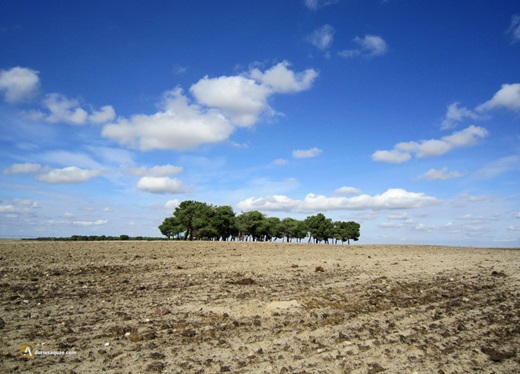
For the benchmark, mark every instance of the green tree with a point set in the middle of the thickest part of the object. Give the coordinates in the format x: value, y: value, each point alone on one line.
x: 274, y: 228
x: 251, y: 224
x: 193, y: 216
x: 353, y: 231
x: 224, y: 222
x: 346, y: 231
x: 288, y: 228
x: 300, y: 231
x: 170, y: 227
x: 320, y: 228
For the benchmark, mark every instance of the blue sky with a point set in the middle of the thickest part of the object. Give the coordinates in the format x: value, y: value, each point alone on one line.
x: 401, y: 115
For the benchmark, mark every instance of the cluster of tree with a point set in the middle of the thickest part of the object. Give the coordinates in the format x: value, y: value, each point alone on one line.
x: 194, y: 220
x: 94, y: 238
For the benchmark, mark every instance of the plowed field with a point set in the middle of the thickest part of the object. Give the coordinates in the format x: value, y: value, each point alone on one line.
x: 241, y: 307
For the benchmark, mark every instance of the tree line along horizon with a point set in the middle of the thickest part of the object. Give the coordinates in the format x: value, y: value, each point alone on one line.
x: 195, y: 220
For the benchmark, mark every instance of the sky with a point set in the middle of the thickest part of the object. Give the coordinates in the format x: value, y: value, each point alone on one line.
x: 401, y: 115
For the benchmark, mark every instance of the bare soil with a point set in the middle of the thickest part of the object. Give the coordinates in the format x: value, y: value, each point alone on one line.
x: 210, y: 307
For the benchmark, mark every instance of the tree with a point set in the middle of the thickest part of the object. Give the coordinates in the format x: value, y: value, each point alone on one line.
x: 346, y: 231
x: 320, y: 228
x: 353, y: 231
x: 251, y: 224
x: 225, y: 222
x: 170, y: 227
x: 193, y: 216
x: 198, y: 220
x: 288, y: 228
x: 274, y: 228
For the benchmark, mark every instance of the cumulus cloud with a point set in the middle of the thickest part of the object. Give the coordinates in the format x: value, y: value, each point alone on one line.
x: 160, y: 185
x: 178, y: 125
x: 456, y: 113
x: 104, y: 115
x: 508, y: 97
x: 222, y: 104
x: 394, y: 156
x: 369, y: 46
x: 18, y: 84
x: 440, y: 174
x: 281, y: 79
x: 60, y: 109
x: 157, y: 171
x: 68, y: 175
x: 322, y: 37
x: 243, y: 98
x: 394, y: 198
x: 306, y: 153
x: 431, y: 148
x: 514, y: 28
x: 345, y: 190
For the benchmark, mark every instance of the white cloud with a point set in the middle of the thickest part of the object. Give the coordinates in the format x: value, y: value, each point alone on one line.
x: 280, y: 162
x: 514, y: 28
x: 306, y: 153
x: 60, y: 109
x: 172, y: 204
x: 90, y: 223
x: 508, y: 97
x: 400, y: 216
x: 7, y: 208
x: 280, y: 79
x: 160, y: 185
x: 345, y: 190
x: 395, y: 198
x: 178, y: 125
x: 393, y: 156
x: 243, y: 98
x: 317, y: 4
x: 440, y: 174
x: 369, y: 46
x: 18, y: 84
x: 240, y: 98
x: 66, y: 158
x: 68, y: 175
x: 64, y: 110
x: 498, y: 167
x: 433, y: 147
x: 455, y: 114
x: 157, y: 171
x: 322, y: 37
x: 225, y: 102
x: 19, y: 206
x: 106, y: 114
x: 23, y: 169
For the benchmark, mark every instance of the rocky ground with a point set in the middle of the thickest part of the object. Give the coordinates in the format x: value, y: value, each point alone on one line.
x: 209, y: 307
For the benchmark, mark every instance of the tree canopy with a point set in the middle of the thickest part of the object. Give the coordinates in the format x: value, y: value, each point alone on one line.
x: 194, y: 220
